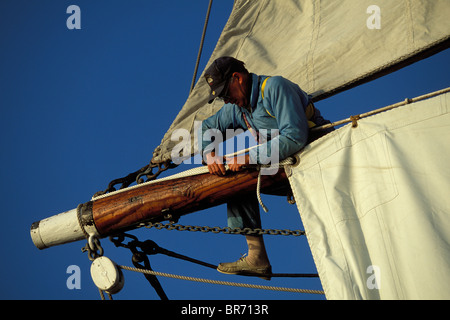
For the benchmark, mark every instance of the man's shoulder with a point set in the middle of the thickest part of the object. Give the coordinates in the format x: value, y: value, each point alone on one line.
x: 275, y: 81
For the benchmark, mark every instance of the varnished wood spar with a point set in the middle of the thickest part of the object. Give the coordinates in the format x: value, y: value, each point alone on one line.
x: 178, y: 197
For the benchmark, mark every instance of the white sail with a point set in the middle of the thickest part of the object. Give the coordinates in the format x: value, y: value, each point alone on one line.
x: 325, y: 46
x: 375, y: 204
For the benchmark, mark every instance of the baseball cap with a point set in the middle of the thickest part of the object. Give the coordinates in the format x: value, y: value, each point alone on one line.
x: 218, y: 74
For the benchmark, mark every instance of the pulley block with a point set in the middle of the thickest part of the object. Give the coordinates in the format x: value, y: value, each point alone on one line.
x: 106, y: 275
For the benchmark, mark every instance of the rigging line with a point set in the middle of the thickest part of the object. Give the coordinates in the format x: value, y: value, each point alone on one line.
x: 225, y: 283
x: 150, y: 247
x: 201, y: 45
x: 258, y: 192
x: 392, y: 106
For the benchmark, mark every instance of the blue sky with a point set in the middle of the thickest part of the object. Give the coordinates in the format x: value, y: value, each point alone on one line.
x: 82, y: 107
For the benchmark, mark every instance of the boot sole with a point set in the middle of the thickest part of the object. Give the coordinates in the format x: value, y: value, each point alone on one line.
x: 246, y: 273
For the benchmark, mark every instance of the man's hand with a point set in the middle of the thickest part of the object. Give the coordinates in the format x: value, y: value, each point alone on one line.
x: 238, y: 162
x: 215, y: 164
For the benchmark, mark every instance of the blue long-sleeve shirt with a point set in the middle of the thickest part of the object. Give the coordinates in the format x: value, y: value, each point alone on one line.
x: 282, y: 108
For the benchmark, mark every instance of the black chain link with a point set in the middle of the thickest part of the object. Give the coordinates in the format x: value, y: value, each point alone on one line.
x: 92, y: 246
x: 226, y: 230
x: 137, y: 176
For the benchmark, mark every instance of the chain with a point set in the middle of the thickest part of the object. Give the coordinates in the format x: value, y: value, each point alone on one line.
x: 137, y: 176
x: 92, y: 246
x: 226, y: 230
x: 95, y: 250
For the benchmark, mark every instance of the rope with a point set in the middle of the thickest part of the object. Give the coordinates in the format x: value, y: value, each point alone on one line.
x: 201, y: 46
x: 186, y: 173
x: 258, y: 193
x: 225, y: 283
x: 355, y: 118
x: 285, y: 162
x: 86, y: 234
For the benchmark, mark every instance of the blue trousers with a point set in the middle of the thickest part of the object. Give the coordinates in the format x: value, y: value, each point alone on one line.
x: 243, y: 212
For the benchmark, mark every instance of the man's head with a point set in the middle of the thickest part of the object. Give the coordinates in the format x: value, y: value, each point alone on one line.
x: 228, y: 80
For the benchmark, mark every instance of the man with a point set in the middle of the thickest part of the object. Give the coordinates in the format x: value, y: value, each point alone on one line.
x: 254, y: 102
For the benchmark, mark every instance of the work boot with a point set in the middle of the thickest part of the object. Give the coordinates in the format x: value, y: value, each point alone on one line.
x: 242, y: 267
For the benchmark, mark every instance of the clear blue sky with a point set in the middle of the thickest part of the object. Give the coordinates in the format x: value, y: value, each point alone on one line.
x: 82, y: 107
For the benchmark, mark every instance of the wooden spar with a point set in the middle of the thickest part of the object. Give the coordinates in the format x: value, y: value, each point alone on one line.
x: 169, y: 199
x: 173, y: 197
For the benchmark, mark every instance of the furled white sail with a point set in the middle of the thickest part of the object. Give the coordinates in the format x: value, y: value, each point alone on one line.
x: 374, y: 201
x: 323, y: 45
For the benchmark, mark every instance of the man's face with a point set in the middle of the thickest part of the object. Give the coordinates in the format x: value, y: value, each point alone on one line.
x: 237, y: 92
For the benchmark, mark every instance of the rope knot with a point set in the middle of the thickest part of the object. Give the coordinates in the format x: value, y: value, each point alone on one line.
x: 354, y: 120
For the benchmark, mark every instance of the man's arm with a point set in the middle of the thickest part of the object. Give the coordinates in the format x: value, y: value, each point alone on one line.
x: 284, y: 100
x: 216, y: 125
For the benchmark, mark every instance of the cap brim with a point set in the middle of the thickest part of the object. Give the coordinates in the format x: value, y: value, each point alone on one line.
x: 216, y: 92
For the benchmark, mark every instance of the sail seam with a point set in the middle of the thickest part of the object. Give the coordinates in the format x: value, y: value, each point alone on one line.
x: 250, y: 30
x: 409, y: 17
x: 438, y: 45
x: 312, y: 46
